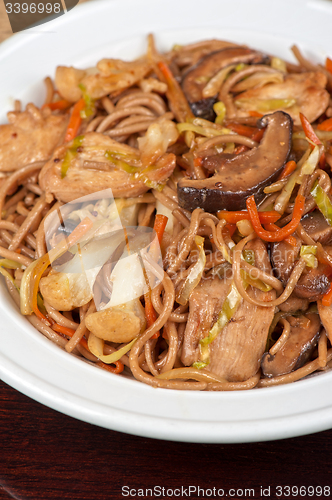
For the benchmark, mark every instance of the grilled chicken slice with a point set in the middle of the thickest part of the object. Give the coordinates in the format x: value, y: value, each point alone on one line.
x: 91, y: 169
x: 307, y: 89
x: 236, y: 353
x: 205, y: 303
x: 297, y: 349
x: 30, y: 136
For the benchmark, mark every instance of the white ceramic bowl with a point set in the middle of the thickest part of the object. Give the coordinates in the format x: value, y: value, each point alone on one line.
x: 39, y: 369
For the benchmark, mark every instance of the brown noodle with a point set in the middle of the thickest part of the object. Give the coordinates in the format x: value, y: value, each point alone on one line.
x: 125, y: 116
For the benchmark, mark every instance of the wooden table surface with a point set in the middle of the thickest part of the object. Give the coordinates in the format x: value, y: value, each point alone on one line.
x: 47, y: 455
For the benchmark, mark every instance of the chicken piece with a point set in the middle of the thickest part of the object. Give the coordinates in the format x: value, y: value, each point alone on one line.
x: 110, y: 75
x: 205, y: 303
x: 30, y: 136
x: 65, y: 291
x: 118, y: 324
x: 307, y: 89
x: 90, y: 170
x: 236, y: 353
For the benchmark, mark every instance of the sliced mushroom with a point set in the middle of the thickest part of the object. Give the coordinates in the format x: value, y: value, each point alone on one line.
x: 246, y: 174
x: 317, y: 227
x: 296, y: 350
x: 195, y: 79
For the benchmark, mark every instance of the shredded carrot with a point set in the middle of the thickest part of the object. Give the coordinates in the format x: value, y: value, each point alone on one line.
x: 281, y: 233
x: 118, y: 368
x: 325, y: 125
x: 290, y: 239
x: 256, y: 136
x: 236, y: 216
x: 229, y: 228
x: 75, y: 121
x: 255, y: 114
x: 69, y: 332
x: 198, y: 162
x: 328, y: 64
x: 151, y: 316
x: 176, y: 95
x: 58, y: 105
x: 311, y: 134
x: 160, y: 225
x: 288, y: 169
x: 241, y: 129
x: 327, y: 298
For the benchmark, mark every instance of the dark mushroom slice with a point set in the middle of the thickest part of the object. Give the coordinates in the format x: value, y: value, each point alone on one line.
x: 245, y: 175
x: 314, y: 283
x: 284, y: 257
x: 196, y: 77
x: 317, y: 227
x: 297, y: 349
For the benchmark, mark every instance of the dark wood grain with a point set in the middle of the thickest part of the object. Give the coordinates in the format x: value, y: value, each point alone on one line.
x: 47, y: 455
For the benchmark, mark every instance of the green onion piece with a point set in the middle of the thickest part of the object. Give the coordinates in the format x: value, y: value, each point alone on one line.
x: 137, y: 171
x: 220, y: 110
x: 89, y: 103
x: 255, y: 282
x: 308, y: 252
x: 10, y: 264
x: 6, y: 274
x: 279, y: 64
x: 311, y: 163
x: 323, y: 202
x: 70, y: 155
x: 228, y: 309
x: 205, y: 131
x: 264, y: 104
x: 199, y: 364
x: 122, y: 165
x: 249, y: 256
x: 241, y: 66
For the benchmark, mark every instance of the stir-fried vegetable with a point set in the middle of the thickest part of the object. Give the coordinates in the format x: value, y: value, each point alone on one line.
x: 282, y: 233
x: 228, y: 310
x: 323, y: 202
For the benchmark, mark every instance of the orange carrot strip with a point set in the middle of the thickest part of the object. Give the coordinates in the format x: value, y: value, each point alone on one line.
x: 175, y: 93
x: 325, y: 125
x: 290, y: 239
x: 281, y: 233
x: 241, y: 129
x: 256, y: 136
x: 198, y: 162
x: 118, y: 368
x: 255, y: 114
x: 58, y: 105
x: 328, y: 64
x: 311, y: 134
x: 75, y: 121
x: 288, y: 169
x: 236, y: 216
x: 69, y: 332
x: 159, y: 225
x: 327, y: 298
x: 230, y: 229
x: 151, y: 316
